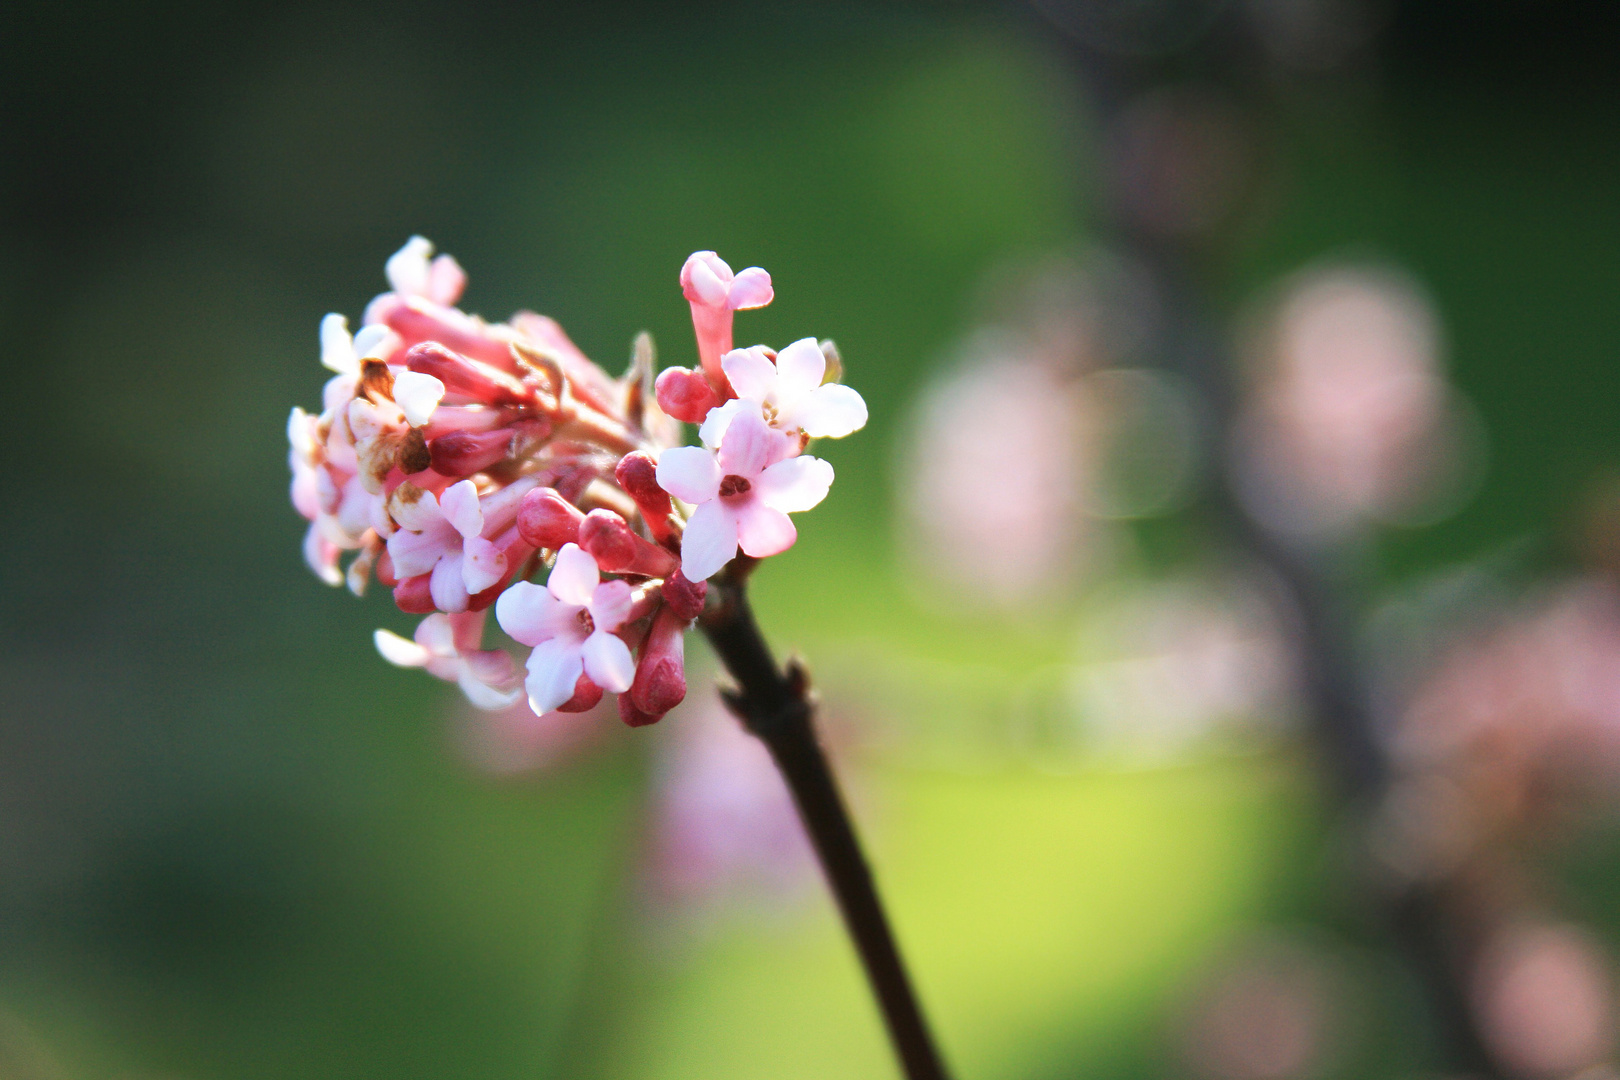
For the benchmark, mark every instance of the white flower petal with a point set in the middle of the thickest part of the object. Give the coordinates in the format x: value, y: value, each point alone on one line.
x: 414, y: 553
x: 707, y: 275
x: 574, y: 576
x: 795, y: 484
x: 750, y: 372
x: 709, y: 542
x: 417, y: 395
x: 829, y: 412
x: 608, y: 662
x: 763, y: 530
x: 407, y: 269
x: 415, y: 508
x: 437, y: 634
x: 714, y: 425
x: 530, y: 614
x: 690, y: 473
x: 322, y: 555
x: 800, y: 366
x: 337, y: 345
x: 401, y: 652
x: 482, y: 564
x: 446, y: 280
x: 554, y: 669
x: 374, y: 340
x: 460, y: 507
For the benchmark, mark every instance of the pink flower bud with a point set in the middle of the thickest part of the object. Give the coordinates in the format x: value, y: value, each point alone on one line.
x: 586, y: 695
x: 685, y: 394
x: 416, y: 319
x: 685, y: 598
x: 548, y: 520
x: 414, y: 595
x: 661, y: 676
x: 634, y: 716
x: 618, y: 550
x: 637, y: 473
x: 462, y: 453
x: 484, y: 383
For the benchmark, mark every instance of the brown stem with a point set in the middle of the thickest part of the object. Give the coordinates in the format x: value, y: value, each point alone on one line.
x: 777, y: 707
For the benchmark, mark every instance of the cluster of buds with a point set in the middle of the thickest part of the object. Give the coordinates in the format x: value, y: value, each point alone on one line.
x: 459, y: 459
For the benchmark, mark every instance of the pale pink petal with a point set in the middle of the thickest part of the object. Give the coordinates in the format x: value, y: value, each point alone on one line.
x: 482, y: 564
x: 447, y: 585
x: 608, y: 662
x: 322, y: 556
x: 751, y: 288
x: 554, y: 668
x: 794, y: 485
x: 800, y: 367
x: 690, y: 473
x: 459, y: 505
x: 749, y: 446
x: 709, y: 542
x: 751, y: 373
x: 764, y: 530
x: 610, y: 605
x: 484, y: 696
x: 714, y: 425
x: 415, y: 553
x: 417, y: 395
x: 574, y: 576
x: 492, y: 667
x: 530, y: 614
x: 407, y: 268
x: 829, y: 412
x: 401, y: 652
x: 705, y: 279
x: 337, y: 345
x: 446, y: 280
x: 437, y: 634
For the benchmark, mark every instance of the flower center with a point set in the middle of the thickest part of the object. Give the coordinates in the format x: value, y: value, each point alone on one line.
x: 586, y: 623
x: 733, y: 485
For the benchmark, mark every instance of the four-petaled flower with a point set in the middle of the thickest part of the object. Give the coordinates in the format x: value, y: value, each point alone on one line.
x: 570, y: 621
x: 743, y: 493
x: 443, y: 537
x: 789, y: 394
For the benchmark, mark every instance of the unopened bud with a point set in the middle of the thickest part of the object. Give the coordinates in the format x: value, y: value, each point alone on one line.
x: 586, y: 695
x: 618, y: 550
x: 685, y: 598
x: 462, y: 453
x: 414, y: 595
x: 548, y: 520
x: 484, y: 383
x: 637, y: 473
x: 634, y: 716
x: 660, y: 682
x: 685, y: 394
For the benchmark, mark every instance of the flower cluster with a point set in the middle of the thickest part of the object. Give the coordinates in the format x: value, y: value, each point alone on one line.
x: 460, y: 458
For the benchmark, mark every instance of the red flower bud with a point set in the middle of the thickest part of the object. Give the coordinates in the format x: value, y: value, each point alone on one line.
x: 586, y: 695
x: 618, y: 550
x: 685, y: 394
x: 548, y: 520
x: 414, y: 595
x: 685, y: 598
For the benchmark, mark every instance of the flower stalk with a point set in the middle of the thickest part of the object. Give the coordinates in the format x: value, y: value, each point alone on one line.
x: 778, y: 707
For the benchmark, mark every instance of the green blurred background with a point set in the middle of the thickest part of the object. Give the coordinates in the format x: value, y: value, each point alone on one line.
x: 234, y: 844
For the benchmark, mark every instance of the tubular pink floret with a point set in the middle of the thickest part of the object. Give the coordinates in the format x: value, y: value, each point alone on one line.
x: 482, y: 382
x: 548, y: 520
x: 618, y: 550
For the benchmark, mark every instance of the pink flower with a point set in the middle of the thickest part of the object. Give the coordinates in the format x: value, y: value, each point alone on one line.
x: 412, y: 271
x: 789, y: 394
x: 448, y: 646
x: 743, y: 493
x: 443, y: 537
x: 715, y: 292
x: 571, y: 623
